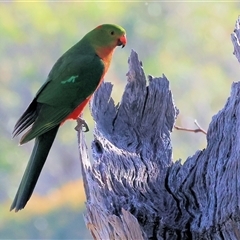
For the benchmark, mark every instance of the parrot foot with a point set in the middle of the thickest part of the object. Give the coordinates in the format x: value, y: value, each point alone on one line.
x: 81, y: 123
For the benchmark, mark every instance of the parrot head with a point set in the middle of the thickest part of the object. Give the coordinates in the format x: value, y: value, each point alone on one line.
x: 108, y: 36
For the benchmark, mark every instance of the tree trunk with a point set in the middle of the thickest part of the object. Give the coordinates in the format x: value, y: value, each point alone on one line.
x: 135, y: 191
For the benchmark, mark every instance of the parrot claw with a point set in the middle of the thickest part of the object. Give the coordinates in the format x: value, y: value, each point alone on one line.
x: 81, y: 123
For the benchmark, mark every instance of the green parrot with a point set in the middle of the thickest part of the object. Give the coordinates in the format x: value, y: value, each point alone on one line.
x: 70, y: 84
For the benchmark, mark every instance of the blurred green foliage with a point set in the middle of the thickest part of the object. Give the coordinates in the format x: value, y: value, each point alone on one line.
x: 188, y: 42
x: 64, y: 223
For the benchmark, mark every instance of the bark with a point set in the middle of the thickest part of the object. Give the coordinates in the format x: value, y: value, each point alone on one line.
x: 135, y: 191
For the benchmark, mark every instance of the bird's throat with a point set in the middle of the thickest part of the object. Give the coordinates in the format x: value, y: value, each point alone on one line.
x: 106, y: 55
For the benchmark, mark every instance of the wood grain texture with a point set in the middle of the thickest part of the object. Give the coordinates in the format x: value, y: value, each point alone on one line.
x: 135, y: 191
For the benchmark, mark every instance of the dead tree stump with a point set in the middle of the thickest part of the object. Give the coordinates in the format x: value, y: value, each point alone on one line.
x: 135, y: 191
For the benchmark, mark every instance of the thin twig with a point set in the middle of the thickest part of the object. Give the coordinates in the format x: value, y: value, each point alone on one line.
x: 199, y: 129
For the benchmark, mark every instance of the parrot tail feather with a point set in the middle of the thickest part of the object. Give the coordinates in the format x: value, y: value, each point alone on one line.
x: 38, y: 157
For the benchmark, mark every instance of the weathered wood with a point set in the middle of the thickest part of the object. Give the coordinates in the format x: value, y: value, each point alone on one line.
x: 135, y: 191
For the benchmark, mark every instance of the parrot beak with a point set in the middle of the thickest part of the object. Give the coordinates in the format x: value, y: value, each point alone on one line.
x: 122, y: 41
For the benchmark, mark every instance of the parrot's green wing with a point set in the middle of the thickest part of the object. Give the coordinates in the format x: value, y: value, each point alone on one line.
x: 69, y: 83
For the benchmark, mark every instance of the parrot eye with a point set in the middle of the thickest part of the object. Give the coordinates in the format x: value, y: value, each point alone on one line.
x: 112, y: 32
